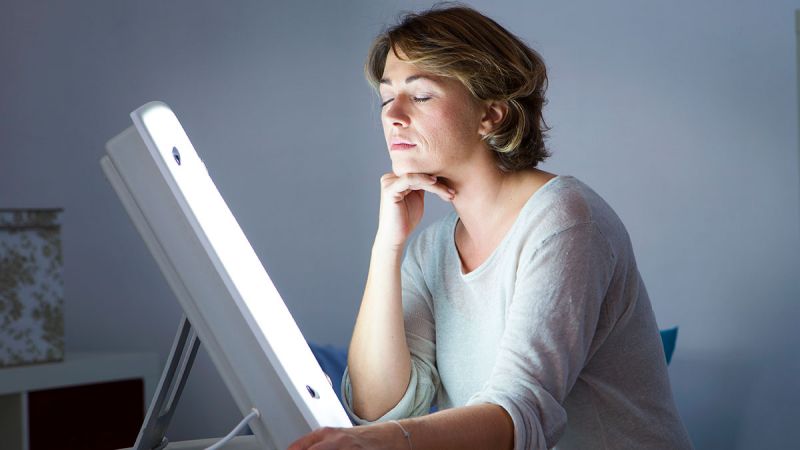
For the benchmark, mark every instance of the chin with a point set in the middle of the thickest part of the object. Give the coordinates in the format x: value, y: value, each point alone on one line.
x: 400, y: 173
x: 405, y: 169
x: 402, y: 167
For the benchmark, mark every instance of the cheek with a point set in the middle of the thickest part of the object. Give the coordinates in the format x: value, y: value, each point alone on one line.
x: 453, y: 126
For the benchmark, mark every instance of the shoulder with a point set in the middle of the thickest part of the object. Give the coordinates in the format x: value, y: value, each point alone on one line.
x: 566, y: 203
x: 560, y: 204
x: 563, y: 203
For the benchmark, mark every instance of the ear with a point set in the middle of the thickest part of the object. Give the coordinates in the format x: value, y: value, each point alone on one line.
x: 494, y: 112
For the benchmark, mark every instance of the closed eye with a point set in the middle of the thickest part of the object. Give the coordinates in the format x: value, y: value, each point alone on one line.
x: 415, y: 99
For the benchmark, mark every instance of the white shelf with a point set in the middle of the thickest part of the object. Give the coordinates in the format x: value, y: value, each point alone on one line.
x: 77, y: 368
x: 82, y: 368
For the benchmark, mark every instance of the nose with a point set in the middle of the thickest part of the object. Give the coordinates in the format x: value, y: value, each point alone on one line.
x: 396, y: 114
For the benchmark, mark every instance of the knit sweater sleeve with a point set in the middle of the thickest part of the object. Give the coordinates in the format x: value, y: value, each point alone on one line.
x: 421, y: 340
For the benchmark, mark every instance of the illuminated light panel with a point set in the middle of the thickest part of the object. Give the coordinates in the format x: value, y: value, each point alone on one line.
x: 158, y: 182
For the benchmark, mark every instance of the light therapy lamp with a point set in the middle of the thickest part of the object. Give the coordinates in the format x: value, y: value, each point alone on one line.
x: 228, y: 299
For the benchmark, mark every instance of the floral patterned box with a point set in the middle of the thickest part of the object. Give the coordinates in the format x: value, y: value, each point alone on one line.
x: 31, y: 287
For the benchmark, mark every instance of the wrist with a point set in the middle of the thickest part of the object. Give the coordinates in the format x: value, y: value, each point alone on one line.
x: 404, y: 442
x: 387, y: 246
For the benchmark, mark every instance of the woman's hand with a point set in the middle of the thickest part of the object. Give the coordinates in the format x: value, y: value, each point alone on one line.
x: 402, y: 205
x: 365, y: 437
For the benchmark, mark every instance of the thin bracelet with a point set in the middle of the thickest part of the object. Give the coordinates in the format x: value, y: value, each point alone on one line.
x: 405, y: 433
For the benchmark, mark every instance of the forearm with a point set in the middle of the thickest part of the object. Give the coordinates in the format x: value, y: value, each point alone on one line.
x: 478, y: 427
x: 379, y: 362
x: 485, y: 426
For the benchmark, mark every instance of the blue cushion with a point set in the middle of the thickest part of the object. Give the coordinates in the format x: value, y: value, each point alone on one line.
x: 333, y: 360
x: 668, y: 338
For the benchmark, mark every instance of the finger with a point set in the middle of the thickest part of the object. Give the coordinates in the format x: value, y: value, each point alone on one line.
x: 335, y: 439
x: 401, y: 195
x: 387, y: 178
x: 325, y: 445
x: 305, y: 442
x: 445, y: 193
x: 434, y: 186
x: 420, y: 181
x: 410, y: 180
x: 415, y: 181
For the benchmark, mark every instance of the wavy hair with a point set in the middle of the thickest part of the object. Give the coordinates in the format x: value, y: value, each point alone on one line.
x: 493, y: 64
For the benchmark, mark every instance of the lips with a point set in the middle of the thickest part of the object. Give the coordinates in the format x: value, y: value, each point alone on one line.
x: 401, y: 144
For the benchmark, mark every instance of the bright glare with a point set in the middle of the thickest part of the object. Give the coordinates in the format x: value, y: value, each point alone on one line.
x: 233, y: 255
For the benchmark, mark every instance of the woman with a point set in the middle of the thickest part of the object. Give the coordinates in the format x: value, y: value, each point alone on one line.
x: 522, y: 314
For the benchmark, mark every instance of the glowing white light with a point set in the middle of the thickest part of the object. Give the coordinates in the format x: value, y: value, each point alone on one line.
x: 245, y: 278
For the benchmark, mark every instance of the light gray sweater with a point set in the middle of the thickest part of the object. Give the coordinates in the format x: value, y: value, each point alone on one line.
x: 555, y: 327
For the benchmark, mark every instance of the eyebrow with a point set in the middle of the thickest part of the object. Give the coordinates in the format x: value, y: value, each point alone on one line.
x: 408, y: 80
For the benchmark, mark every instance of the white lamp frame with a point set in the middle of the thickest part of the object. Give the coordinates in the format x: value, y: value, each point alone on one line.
x: 224, y: 290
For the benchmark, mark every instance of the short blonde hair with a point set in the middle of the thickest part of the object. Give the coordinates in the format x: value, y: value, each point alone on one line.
x: 492, y: 63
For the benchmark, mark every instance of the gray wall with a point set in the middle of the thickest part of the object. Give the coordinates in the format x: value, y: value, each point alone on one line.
x: 683, y: 115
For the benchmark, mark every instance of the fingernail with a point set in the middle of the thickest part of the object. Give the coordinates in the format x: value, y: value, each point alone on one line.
x: 452, y: 191
x: 433, y: 178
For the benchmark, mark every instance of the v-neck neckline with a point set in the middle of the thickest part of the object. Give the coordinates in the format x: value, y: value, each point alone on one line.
x: 498, y: 249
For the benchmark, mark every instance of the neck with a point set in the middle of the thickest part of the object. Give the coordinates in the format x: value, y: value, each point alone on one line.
x: 487, y: 198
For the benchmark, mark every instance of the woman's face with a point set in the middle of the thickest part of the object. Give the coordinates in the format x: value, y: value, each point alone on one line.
x: 431, y: 123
